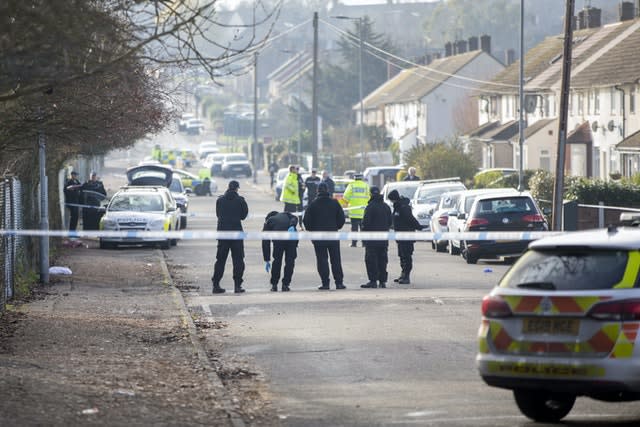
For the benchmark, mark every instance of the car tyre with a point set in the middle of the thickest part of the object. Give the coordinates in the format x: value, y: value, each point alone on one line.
x: 544, y: 406
x: 452, y: 249
x: 183, y: 222
x: 166, y: 244
x: 105, y: 245
x: 441, y: 247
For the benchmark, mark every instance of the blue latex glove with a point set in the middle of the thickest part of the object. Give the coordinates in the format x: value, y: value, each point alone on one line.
x: 267, y: 266
x: 292, y: 228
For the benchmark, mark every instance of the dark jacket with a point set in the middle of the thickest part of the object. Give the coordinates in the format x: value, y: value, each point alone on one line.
x: 300, y: 187
x: 323, y: 214
x: 411, y: 178
x: 91, y: 191
x: 231, y: 208
x: 331, y: 186
x: 278, y: 222
x: 377, y: 217
x: 71, y: 195
x: 403, y: 219
x: 312, y: 187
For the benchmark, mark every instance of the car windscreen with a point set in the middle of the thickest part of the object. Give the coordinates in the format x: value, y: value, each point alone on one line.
x: 432, y: 195
x: 405, y: 190
x: 235, y: 158
x: 176, y: 186
x: 136, y: 203
x: 567, y: 269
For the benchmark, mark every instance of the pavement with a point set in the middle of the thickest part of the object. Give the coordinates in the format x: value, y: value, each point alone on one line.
x: 111, y: 344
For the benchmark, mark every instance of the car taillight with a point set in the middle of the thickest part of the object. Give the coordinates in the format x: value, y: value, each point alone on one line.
x: 533, y: 218
x: 475, y: 222
x: 626, y: 310
x: 443, y: 220
x: 494, y: 306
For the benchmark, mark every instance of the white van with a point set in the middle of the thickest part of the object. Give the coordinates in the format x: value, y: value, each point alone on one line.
x: 380, y: 175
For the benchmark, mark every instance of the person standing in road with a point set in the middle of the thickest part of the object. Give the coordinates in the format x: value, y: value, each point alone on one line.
x: 71, y: 198
x: 300, y: 189
x: 377, y: 217
x: 231, y: 209
x: 403, y: 220
x: 273, y: 170
x: 289, y: 194
x: 280, y: 221
x: 93, y: 193
x: 356, y: 197
x: 325, y: 214
x: 311, y: 183
x: 412, y: 175
x: 331, y: 186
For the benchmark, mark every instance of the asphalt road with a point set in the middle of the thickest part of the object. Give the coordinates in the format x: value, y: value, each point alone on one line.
x: 358, y: 357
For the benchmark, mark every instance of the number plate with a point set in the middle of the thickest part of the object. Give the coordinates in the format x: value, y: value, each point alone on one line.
x: 553, y: 326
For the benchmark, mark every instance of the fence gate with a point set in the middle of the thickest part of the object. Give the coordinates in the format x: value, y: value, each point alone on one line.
x: 10, y: 246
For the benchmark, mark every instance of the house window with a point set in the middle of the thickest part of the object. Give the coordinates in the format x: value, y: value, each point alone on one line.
x: 613, y: 101
x: 545, y: 160
x: 632, y: 99
x: 581, y: 103
x: 596, y: 101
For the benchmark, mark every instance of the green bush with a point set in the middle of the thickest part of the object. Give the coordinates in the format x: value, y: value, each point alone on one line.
x: 612, y: 193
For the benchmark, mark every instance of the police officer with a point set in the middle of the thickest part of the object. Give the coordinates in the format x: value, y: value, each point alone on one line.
x: 403, y: 220
x: 325, y: 214
x: 311, y: 183
x: 71, y: 198
x: 356, y: 197
x: 290, y: 195
x: 283, y: 221
x: 331, y: 185
x: 377, y: 217
x: 231, y: 208
x: 94, y: 193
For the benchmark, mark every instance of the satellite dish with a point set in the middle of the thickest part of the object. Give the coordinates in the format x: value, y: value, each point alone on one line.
x: 530, y: 102
x: 611, y: 126
x: 594, y: 126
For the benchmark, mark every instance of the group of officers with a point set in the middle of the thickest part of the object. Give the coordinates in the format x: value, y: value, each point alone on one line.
x: 367, y: 211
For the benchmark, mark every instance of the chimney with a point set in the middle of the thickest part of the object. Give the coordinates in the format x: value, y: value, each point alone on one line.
x: 627, y: 11
x: 461, y: 47
x: 485, y: 43
x: 589, y: 17
x: 510, y: 56
x: 473, y: 43
x: 448, y: 49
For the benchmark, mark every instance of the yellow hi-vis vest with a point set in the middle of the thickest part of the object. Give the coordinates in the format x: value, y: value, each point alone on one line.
x: 357, y: 196
x: 290, y: 189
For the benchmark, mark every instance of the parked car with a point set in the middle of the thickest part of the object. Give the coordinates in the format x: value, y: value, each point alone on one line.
x: 140, y: 208
x: 501, y: 212
x: 563, y: 322
x: 458, y: 216
x: 213, y: 162
x: 380, y: 175
x: 207, y: 147
x: 192, y: 181
x: 182, y: 122
x: 427, y: 196
x: 280, y: 176
x: 405, y: 188
x: 181, y: 195
x: 236, y: 164
x: 340, y: 186
x: 440, y: 219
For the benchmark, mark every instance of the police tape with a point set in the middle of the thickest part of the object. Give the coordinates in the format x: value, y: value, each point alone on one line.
x: 139, y: 235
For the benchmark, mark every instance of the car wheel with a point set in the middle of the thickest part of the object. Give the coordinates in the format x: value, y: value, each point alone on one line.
x: 452, y: 249
x: 544, y: 406
x: 441, y: 247
x: 174, y: 242
x: 471, y: 259
x: 183, y: 222
x: 105, y: 245
x: 165, y: 244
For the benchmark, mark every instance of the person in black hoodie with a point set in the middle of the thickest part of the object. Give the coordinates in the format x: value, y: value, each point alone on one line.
x: 231, y: 208
x: 325, y: 214
x: 403, y: 220
x: 377, y: 217
x: 280, y: 221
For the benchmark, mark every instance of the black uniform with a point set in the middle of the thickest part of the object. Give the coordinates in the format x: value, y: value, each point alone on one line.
x: 93, y: 193
x: 331, y: 185
x: 411, y: 178
x: 377, y: 217
x: 231, y: 209
x: 403, y: 220
x: 72, y: 197
x: 325, y: 214
x: 282, y: 221
x: 300, y: 191
x: 312, y: 187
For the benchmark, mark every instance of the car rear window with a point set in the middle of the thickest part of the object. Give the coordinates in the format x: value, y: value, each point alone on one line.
x: 235, y: 158
x: 567, y: 270
x: 505, y: 205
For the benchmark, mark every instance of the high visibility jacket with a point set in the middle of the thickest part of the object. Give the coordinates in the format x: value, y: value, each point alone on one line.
x: 156, y: 154
x: 290, y: 192
x: 357, y: 196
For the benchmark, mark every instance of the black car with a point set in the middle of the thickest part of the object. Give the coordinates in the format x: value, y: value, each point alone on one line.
x: 501, y: 212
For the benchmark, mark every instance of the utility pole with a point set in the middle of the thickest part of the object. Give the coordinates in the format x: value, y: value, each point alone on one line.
x: 522, y: 110
x: 558, y: 189
x: 44, y: 210
x: 360, y: 59
x: 254, y: 149
x: 314, y: 95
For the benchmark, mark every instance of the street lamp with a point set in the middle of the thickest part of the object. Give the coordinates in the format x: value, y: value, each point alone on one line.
x: 359, y: 19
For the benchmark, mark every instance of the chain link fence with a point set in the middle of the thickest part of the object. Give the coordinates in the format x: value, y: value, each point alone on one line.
x: 10, y: 246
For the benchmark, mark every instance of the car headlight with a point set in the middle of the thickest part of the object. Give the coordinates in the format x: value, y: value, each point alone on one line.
x: 157, y: 224
x: 108, y: 224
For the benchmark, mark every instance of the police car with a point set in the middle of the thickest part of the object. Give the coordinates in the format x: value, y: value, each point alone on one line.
x: 563, y: 322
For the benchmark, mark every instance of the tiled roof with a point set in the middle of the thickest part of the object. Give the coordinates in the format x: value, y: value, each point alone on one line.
x: 537, y: 126
x: 580, y: 135
x: 630, y: 143
x: 504, y: 132
x: 414, y: 83
x: 480, y: 130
